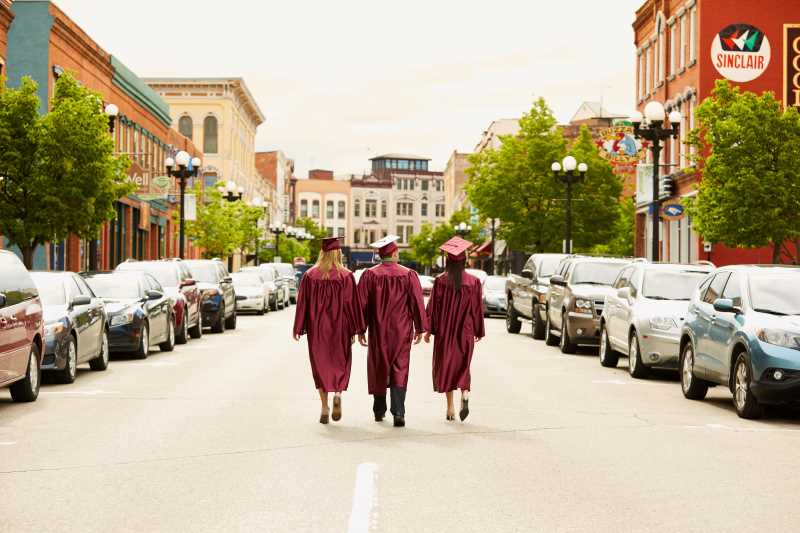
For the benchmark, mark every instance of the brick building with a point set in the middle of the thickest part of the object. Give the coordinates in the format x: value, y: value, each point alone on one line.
x: 6, y: 16
x: 43, y: 43
x: 682, y: 48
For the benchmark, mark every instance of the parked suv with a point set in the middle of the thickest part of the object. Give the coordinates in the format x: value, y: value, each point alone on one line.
x: 21, y: 330
x: 527, y: 293
x: 217, y: 296
x: 743, y: 331
x: 182, y: 290
x: 575, y: 300
x: 643, y: 316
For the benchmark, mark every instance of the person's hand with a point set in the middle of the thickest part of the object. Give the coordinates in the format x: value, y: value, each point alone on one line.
x: 362, y: 340
x: 352, y: 340
x: 296, y: 337
x: 427, y: 337
x: 478, y: 339
x: 417, y: 338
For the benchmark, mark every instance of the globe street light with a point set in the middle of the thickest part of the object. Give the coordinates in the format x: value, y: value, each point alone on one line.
x: 182, y: 167
x: 231, y: 192
x: 463, y: 229
x: 259, y: 202
x: 111, y: 111
x: 565, y: 172
x: 651, y: 126
x: 277, y: 229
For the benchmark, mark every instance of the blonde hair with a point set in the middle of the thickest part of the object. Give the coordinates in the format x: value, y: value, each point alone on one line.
x: 328, y: 261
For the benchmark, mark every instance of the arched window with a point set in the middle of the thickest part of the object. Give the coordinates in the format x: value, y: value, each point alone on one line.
x: 186, y: 126
x: 210, y: 135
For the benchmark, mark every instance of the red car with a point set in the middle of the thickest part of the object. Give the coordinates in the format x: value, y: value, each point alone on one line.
x: 21, y: 330
x: 175, y: 278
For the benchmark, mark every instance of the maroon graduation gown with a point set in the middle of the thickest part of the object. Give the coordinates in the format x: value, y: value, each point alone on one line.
x: 394, y: 311
x: 455, y: 318
x: 328, y: 311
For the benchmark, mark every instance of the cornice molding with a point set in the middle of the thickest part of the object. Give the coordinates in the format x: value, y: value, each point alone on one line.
x: 95, y: 54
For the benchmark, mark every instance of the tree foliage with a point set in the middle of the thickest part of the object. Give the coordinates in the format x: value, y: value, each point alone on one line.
x: 623, y: 234
x: 217, y: 229
x: 58, y: 171
x: 748, y: 154
x: 425, y: 244
x: 515, y: 185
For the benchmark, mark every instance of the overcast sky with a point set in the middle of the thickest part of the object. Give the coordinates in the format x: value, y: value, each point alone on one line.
x: 342, y: 81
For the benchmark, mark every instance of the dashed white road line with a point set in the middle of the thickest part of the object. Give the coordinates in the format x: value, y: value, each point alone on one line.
x: 365, y: 499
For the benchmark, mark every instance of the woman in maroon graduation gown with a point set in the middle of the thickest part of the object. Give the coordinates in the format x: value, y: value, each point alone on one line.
x: 455, y: 319
x: 328, y: 311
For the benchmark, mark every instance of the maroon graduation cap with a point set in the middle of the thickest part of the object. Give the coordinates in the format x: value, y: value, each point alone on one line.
x: 331, y: 243
x: 456, y: 248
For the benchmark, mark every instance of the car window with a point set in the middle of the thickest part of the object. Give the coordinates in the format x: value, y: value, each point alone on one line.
x: 776, y: 293
x: 547, y: 266
x: 51, y: 288
x: 72, y: 288
x: 204, y: 271
x: 116, y: 286
x: 715, y: 289
x: 85, y: 290
x: 733, y: 289
x: 15, y: 281
x: 623, y: 278
x: 596, y: 273
x: 636, y: 281
x: 153, y: 282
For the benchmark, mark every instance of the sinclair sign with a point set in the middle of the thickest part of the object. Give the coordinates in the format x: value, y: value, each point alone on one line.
x: 741, y: 52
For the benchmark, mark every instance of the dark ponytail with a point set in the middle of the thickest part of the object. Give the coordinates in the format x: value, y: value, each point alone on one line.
x: 454, y: 271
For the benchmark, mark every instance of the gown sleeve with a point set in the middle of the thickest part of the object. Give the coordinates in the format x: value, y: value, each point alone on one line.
x: 416, y: 304
x: 301, y: 307
x: 476, y: 304
x: 431, y: 309
x: 354, y: 315
x: 363, y: 289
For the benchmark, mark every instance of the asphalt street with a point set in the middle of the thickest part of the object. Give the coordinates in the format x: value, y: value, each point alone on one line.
x: 223, y: 435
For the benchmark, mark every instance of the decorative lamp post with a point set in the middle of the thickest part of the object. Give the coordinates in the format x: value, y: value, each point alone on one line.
x: 112, y: 112
x: 463, y: 229
x: 566, y: 172
x: 231, y: 192
x: 260, y: 203
x: 277, y: 229
x: 182, y: 167
x: 652, y: 127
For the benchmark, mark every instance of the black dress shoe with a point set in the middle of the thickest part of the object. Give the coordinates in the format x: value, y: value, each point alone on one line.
x: 379, y: 418
x: 464, y: 412
x: 399, y: 422
x: 451, y: 417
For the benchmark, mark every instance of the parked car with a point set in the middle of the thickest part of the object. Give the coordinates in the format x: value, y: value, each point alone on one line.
x: 216, y: 291
x: 299, y: 271
x: 480, y: 274
x: 75, y: 325
x: 494, y: 296
x: 252, y: 293
x: 526, y: 294
x: 642, y: 317
x: 576, y: 298
x: 139, y: 313
x: 278, y: 298
x: 175, y: 278
x: 426, y: 282
x: 21, y: 330
x: 286, y: 271
x: 743, y: 331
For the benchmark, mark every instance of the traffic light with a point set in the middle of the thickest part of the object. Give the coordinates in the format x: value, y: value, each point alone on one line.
x: 666, y: 187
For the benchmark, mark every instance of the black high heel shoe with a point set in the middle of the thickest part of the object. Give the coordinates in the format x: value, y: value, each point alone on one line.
x: 450, y: 418
x: 464, y: 412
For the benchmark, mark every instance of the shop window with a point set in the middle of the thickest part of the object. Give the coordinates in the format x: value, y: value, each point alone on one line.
x: 210, y: 135
x: 186, y: 126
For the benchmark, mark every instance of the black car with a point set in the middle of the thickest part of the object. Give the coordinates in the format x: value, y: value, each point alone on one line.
x: 216, y: 289
x: 139, y: 313
x: 75, y: 325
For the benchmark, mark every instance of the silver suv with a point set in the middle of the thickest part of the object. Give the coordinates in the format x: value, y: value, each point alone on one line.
x: 643, y: 315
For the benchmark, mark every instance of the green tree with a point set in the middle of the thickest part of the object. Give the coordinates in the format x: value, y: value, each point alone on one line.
x: 318, y: 233
x: 217, y: 229
x: 621, y: 242
x: 58, y: 171
x: 425, y: 244
x: 515, y: 185
x: 748, y: 154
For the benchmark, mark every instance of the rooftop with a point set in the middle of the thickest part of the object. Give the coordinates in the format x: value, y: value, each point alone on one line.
x: 400, y: 156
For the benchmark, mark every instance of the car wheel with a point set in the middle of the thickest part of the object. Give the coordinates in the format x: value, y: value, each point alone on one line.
x: 70, y: 371
x: 27, y: 390
x: 219, y: 321
x: 182, y: 336
x: 274, y: 305
x: 197, y: 330
x: 693, y: 388
x: 565, y: 343
x: 144, y: 343
x: 744, y: 400
x: 263, y: 308
x: 169, y: 344
x: 100, y: 362
x: 636, y: 367
x: 230, y: 322
x: 608, y: 357
x: 538, y: 327
x: 513, y: 325
x: 549, y: 338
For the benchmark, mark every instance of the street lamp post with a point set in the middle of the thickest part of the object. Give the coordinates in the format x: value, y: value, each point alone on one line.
x: 260, y: 203
x: 182, y: 167
x: 565, y: 172
x: 651, y: 127
x: 494, y: 234
x: 112, y: 112
x: 277, y: 229
x: 231, y: 193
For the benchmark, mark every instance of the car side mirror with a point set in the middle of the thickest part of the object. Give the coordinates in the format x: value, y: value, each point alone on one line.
x: 558, y: 280
x: 227, y: 279
x: 624, y: 293
x: 80, y: 300
x: 2, y: 300
x: 527, y: 274
x: 725, y: 305
x: 154, y: 295
x: 188, y: 282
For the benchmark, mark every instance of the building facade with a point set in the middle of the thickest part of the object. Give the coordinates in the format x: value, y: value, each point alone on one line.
x: 43, y: 43
x: 682, y: 48
x: 278, y: 170
x: 327, y: 201
x: 6, y: 17
x: 455, y: 176
x: 221, y: 117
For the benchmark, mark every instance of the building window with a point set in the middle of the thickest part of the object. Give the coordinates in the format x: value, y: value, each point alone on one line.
x: 405, y: 209
x: 411, y: 183
x: 439, y: 185
x: 357, y: 208
x: 315, y: 209
x: 186, y: 126
x: 400, y: 234
x: 673, y: 50
x: 372, y: 236
x: 330, y: 231
x: 641, y: 76
x: 409, y: 233
x: 648, y: 69
x: 329, y: 209
x: 342, y: 213
x: 423, y: 209
x: 340, y: 233
x: 424, y: 185
x: 210, y: 135
x: 383, y: 209
x: 660, y: 48
x: 439, y: 210
x: 693, y: 35
x: 303, y: 208
x: 371, y: 208
x: 356, y: 237
x: 683, y: 44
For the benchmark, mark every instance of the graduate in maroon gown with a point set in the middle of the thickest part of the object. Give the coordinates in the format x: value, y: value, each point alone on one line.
x: 329, y: 312
x: 455, y: 319
x: 394, y: 311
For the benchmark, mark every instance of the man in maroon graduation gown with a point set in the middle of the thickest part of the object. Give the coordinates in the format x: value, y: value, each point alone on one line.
x: 394, y: 311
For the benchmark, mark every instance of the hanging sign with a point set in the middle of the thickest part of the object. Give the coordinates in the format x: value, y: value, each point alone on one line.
x: 740, y: 52
x: 190, y: 207
x: 672, y: 211
x: 791, y: 65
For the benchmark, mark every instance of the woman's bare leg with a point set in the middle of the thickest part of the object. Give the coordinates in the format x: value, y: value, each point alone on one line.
x: 451, y: 412
x: 323, y: 398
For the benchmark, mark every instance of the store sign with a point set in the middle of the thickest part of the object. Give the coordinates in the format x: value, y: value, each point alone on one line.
x: 740, y: 52
x: 672, y: 211
x: 791, y: 65
x: 618, y: 145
